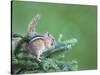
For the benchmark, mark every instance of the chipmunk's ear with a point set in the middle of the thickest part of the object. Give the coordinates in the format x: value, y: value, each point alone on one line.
x: 47, y: 34
x: 33, y: 23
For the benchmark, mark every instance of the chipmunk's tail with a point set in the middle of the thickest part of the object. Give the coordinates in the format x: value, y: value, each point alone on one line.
x: 33, y: 23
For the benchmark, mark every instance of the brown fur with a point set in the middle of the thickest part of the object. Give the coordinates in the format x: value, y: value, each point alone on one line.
x: 39, y: 45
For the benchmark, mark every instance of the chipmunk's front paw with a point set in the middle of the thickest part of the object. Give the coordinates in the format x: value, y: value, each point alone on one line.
x: 39, y: 60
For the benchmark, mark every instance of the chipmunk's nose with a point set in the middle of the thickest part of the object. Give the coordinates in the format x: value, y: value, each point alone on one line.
x: 53, y: 45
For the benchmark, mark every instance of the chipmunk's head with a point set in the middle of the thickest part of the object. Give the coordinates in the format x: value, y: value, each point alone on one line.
x: 49, y: 40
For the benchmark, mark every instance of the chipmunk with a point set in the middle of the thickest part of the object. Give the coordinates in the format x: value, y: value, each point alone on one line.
x: 39, y: 43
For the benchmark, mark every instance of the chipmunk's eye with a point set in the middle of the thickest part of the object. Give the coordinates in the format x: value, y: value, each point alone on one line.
x: 52, y: 42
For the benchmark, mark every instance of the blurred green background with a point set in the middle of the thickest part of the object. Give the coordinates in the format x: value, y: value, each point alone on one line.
x: 73, y: 21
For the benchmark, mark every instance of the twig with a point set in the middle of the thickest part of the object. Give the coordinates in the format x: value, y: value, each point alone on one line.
x: 60, y: 48
x: 13, y: 35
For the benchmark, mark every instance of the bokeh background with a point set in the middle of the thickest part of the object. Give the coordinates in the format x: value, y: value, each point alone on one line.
x: 73, y: 21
